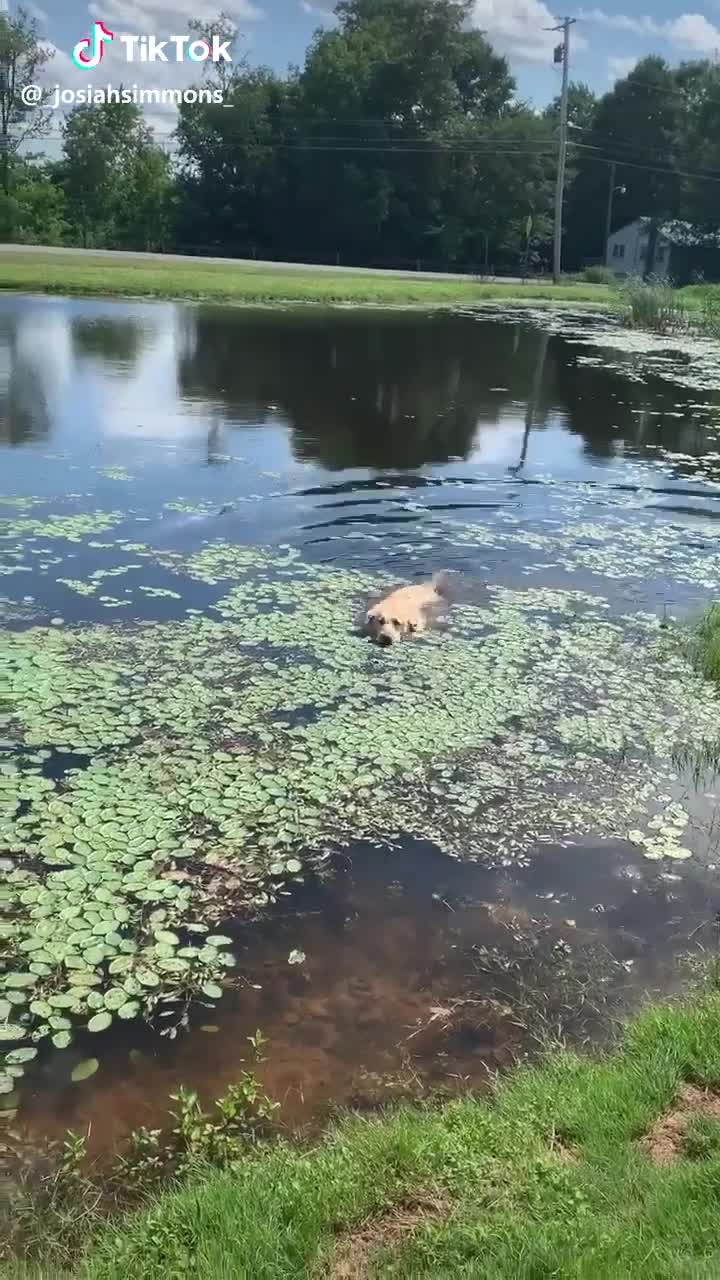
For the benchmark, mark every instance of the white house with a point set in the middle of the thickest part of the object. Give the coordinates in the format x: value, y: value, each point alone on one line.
x: 626, y: 250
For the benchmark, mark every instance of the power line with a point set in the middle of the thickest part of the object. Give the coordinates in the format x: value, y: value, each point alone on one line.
x: 631, y: 164
x: 668, y: 89
x: 538, y: 151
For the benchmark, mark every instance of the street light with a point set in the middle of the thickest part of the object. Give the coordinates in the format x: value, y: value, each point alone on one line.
x: 611, y: 193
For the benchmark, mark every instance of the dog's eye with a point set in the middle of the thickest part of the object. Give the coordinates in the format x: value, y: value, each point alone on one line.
x: 396, y: 622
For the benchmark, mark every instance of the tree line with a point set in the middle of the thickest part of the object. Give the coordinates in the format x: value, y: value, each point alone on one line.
x: 400, y: 141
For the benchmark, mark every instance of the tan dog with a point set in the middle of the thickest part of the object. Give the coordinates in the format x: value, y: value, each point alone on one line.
x: 405, y: 612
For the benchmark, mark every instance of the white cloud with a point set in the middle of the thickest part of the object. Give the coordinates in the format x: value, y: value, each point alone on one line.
x: 316, y: 10
x: 693, y: 31
x: 517, y: 28
x: 166, y: 17
x: 619, y: 68
x: 639, y: 26
x: 688, y: 30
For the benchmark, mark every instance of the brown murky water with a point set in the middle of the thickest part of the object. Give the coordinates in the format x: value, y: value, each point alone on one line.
x: 418, y: 971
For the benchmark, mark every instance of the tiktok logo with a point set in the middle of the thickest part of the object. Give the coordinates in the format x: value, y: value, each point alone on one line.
x: 88, y: 53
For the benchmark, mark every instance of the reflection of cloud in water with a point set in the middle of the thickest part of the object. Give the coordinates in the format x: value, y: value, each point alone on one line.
x: 35, y: 371
x: 144, y: 405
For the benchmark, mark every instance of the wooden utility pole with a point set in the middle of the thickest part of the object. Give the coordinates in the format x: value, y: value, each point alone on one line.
x: 608, y: 216
x: 562, y: 54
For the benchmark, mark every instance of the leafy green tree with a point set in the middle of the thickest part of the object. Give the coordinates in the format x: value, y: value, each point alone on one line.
x: 382, y: 98
x: 637, y: 125
x: 359, y: 144
x: 116, y: 180
x: 146, y: 204
x: 582, y: 106
x: 233, y: 170
x: 33, y: 211
x: 698, y: 83
x: 22, y: 57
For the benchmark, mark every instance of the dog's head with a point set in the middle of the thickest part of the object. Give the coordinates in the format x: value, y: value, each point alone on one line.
x: 385, y: 631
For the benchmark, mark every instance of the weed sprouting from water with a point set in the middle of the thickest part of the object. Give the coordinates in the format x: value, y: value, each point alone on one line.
x: 57, y: 1201
x: 654, y: 305
x: 707, y: 644
x: 703, y: 759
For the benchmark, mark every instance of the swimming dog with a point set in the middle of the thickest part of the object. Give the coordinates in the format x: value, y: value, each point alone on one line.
x: 406, y: 611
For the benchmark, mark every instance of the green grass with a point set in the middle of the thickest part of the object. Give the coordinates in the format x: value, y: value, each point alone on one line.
x: 654, y: 306
x: 706, y: 644
x: 92, y: 275
x: 544, y: 1179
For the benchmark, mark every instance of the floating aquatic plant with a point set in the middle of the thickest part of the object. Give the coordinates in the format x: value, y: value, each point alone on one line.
x: 220, y: 757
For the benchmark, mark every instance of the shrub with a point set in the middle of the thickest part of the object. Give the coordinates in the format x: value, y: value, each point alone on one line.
x: 599, y: 275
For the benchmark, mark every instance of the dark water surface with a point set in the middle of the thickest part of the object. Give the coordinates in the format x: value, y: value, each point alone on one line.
x: 376, y: 441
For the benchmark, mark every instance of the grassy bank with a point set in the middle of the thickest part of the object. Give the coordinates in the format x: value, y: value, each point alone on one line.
x: 90, y: 275
x: 552, y: 1176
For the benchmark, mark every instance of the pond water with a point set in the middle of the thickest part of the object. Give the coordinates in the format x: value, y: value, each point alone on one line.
x: 477, y: 838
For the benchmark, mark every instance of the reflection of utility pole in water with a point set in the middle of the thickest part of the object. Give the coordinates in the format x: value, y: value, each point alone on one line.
x: 213, y: 441
x: 533, y: 399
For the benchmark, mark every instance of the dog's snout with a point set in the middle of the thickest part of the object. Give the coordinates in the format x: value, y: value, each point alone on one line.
x: 384, y: 640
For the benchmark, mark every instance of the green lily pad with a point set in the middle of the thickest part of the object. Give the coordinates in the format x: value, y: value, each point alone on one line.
x: 147, y: 978
x: 211, y: 990
x: 84, y: 1070
x: 12, y: 1031
x: 16, y: 1056
x: 100, y: 1022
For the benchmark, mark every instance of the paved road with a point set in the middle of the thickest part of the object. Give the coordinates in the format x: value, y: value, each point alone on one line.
x: 126, y: 255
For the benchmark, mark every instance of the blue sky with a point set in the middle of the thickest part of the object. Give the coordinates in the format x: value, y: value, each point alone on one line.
x: 607, y: 39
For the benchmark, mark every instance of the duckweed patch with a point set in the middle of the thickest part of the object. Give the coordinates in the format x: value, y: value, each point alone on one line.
x: 73, y: 528
x: 617, y: 549
x: 222, y: 757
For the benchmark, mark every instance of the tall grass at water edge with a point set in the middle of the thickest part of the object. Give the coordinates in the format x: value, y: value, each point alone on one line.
x: 706, y: 644
x: 658, y: 307
x: 654, y: 305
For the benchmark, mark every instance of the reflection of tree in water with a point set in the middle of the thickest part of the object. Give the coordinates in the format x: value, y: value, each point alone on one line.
x: 612, y: 413
x: 24, y: 404
x: 117, y: 340
x: 360, y: 391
